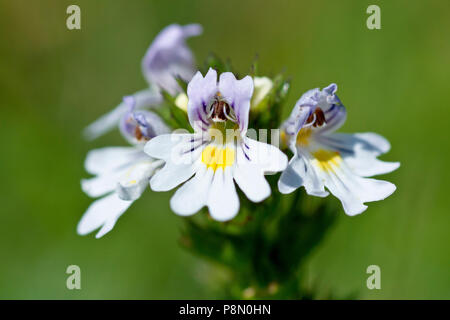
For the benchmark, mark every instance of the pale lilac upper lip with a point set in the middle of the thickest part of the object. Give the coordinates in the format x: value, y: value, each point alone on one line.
x: 201, y: 91
x: 327, y: 100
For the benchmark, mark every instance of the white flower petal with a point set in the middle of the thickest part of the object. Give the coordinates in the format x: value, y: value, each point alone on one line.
x: 351, y: 203
x: 360, y: 150
x: 192, y: 195
x: 100, y: 185
x: 180, y: 151
x: 252, y: 183
x: 105, y: 160
x: 135, y: 180
x: 171, y: 175
x: 369, y: 142
x: 268, y: 157
x: 374, y: 190
x: 168, y: 146
x: 354, y: 191
x: 300, y: 172
x: 290, y: 180
x: 366, y: 166
x: 102, y: 213
x: 250, y: 179
x: 375, y: 141
x: 105, y: 123
x: 223, y: 201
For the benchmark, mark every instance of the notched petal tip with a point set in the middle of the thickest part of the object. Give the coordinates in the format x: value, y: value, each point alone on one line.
x: 284, y: 187
x: 102, y: 213
x: 395, y: 165
x: 352, y: 211
x: 105, y: 229
x: 211, y: 75
x: 82, y: 230
x: 331, y: 89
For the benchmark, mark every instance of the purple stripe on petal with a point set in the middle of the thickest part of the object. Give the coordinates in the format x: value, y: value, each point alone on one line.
x: 330, y: 119
x: 338, y: 110
x: 194, y: 147
x: 200, y: 117
x: 331, y: 109
x: 195, y: 139
x: 336, y: 144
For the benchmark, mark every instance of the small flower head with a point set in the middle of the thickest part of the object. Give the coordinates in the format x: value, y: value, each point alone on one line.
x: 319, y: 110
x: 215, y: 162
x: 121, y: 176
x: 340, y: 162
x: 121, y: 173
x: 212, y: 102
x: 169, y: 57
x: 140, y: 126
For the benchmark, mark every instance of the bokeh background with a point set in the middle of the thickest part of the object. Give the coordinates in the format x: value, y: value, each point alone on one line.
x: 54, y: 82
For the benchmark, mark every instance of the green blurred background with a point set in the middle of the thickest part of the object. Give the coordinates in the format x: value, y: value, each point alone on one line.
x: 54, y: 82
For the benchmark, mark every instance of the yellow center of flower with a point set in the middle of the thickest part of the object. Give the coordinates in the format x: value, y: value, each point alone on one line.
x: 303, y: 136
x: 327, y: 160
x: 216, y: 157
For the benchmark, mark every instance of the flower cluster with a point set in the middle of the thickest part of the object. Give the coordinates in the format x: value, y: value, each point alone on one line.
x: 217, y: 148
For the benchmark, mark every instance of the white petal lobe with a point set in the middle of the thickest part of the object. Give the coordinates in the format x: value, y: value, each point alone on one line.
x: 102, y: 213
x: 109, y: 159
x: 252, y: 182
x: 223, y: 201
x: 100, y: 185
x: 171, y: 175
x: 135, y: 180
x: 266, y: 156
x: 168, y: 146
x: 192, y: 195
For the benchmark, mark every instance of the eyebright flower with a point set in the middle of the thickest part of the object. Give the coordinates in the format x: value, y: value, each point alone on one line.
x: 341, y: 162
x: 139, y: 126
x: 122, y: 173
x: 167, y: 58
x: 215, y: 110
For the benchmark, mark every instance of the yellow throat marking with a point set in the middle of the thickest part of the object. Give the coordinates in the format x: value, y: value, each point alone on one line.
x: 327, y: 160
x: 216, y: 157
x: 303, y: 137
